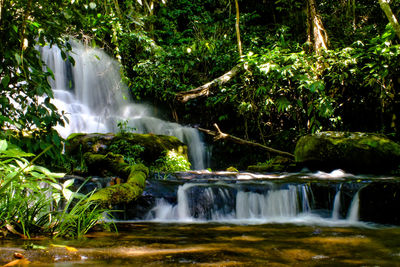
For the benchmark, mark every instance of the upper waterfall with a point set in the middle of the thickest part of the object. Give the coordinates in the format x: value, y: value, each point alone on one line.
x: 94, y: 99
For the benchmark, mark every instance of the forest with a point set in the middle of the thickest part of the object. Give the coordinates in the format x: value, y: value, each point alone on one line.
x: 293, y: 67
x: 263, y: 73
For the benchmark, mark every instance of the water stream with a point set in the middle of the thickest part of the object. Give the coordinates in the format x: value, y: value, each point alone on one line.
x: 220, y: 219
x: 229, y: 199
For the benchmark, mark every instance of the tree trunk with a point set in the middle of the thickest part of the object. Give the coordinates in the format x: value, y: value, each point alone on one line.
x: 238, y: 29
x: 316, y: 33
x: 391, y: 17
x: 1, y: 9
x: 207, y: 88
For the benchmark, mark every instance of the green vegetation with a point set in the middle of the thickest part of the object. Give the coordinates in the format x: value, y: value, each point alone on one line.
x: 171, y: 162
x: 33, y: 201
x: 299, y: 67
x: 286, y: 87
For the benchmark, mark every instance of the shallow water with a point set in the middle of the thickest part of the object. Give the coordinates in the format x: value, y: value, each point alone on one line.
x: 216, y: 244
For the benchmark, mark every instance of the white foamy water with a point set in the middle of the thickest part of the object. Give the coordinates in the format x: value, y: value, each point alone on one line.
x: 232, y: 204
x: 95, y: 99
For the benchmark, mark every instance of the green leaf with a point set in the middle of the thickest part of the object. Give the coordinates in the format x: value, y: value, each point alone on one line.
x: 68, y: 194
x: 5, y: 81
x: 16, y: 153
x: 18, y: 58
x: 3, y: 145
x: 68, y: 183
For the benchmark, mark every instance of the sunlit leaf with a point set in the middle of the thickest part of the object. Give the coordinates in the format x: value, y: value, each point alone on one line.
x: 3, y: 145
x: 68, y: 183
x: 68, y: 194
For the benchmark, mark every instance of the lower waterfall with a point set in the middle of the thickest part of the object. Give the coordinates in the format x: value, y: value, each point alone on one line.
x: 251, y: 202
x: 95, y: 100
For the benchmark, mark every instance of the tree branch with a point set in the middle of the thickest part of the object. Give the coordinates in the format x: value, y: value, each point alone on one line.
x: 207, y: 88
x: 219, y: 135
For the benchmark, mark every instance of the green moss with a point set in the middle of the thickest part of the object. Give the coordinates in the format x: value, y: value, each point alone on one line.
x: 360, y: 152
x: 276, y: 164
x: 232, y: 169
x: 145, y: 148
x: 126, y: 192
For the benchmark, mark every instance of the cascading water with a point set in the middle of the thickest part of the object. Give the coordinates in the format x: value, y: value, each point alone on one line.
x: 336, y: 204
x: 253, y: 201
x: 94, y: 99
x: 354, y: 207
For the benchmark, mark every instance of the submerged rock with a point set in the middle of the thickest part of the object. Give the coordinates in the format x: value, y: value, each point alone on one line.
x: 351, y: 151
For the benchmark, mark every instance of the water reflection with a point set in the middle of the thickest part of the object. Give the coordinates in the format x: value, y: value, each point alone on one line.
x: 150, y: 244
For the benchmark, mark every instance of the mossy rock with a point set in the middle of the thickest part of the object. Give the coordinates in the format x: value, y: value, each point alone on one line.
x: 277, y: 164
x: 351, y: 151
x: 154, y: 146
x: 134, y: 175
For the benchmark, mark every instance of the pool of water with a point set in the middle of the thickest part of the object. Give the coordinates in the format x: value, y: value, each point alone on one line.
x: 216, y: 244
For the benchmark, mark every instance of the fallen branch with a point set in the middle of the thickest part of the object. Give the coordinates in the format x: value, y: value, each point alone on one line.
x: 207, y: 88
x: 218, y: 135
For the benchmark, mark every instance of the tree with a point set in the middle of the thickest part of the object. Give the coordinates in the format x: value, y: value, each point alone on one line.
x: 316, y: 33
x: 25, y: 92
x: 391, y: 17
x: 238, y: 28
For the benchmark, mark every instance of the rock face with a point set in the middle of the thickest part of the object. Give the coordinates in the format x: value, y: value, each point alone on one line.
x: 354, y: 152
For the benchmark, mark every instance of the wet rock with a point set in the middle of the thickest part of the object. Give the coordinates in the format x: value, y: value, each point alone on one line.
x: 380, y: 202
x: 353, y: 152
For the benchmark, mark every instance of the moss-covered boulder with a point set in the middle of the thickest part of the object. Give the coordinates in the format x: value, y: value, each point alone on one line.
x: 134, y: 175
x: 351, y: 151
x: 149, y: 147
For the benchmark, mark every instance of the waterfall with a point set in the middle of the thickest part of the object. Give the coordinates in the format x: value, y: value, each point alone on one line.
x: 354, y: 207
x: 95, y: 99
x: 274, y: 204
x: 197, y: 201
x: 336, y: 204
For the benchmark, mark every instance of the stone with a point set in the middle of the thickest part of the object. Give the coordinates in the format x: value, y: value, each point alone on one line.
x: 134, y: 175
x: 350, y: 151
x: 154, y: 146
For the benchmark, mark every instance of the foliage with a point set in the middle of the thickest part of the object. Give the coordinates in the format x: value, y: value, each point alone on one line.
x: 26, y: 94
x: 130, y: 152
x: 191, y: 46
x: 31, y: 199
x: 171, y: 162
x: 177, y: 45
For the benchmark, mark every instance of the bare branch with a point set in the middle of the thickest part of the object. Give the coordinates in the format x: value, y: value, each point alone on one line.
x: 219, y: 135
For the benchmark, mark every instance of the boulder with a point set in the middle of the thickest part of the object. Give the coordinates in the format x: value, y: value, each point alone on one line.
x: 152, y: 146
x: 351, y: 151
x: 134, y: 175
